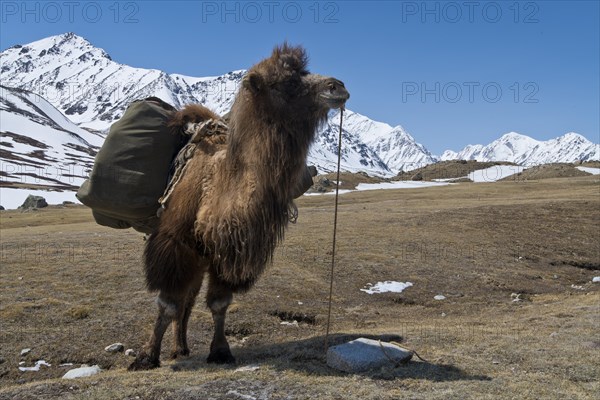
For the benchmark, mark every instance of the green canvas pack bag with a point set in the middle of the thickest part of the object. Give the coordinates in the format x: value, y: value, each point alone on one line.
x: 131, y: 170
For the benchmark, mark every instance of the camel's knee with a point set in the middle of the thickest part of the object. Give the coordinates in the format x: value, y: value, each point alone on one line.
x: 242, y: 285
x: 218, y: 303
x: 168, y: 307
x: 219, y: 295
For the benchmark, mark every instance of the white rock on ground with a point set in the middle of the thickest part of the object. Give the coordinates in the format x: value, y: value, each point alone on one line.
x: 82, y: 372
x: 364, y: 354
x: 26, y: 351
x: 130, y: 352
x: 115, y: 348
x: 596, y: 279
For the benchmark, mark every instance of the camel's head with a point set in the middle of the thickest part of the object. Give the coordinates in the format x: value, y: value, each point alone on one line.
x: 331, y: 92
x: 282, y: 86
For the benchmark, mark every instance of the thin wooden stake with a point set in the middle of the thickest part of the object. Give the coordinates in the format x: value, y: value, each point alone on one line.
x: 335, y: 215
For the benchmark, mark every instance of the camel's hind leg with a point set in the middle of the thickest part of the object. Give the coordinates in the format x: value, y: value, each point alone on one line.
x: 168, y: 310
x: 174, y: 308
x: 218, y: 298
x: 171, y: 268
x: 180, y: 324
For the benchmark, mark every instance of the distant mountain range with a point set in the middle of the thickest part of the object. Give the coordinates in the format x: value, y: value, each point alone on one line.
x: 61, y: 94
x: 526, y: 151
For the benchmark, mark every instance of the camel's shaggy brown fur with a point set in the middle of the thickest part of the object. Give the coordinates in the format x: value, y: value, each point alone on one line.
x: 191, y: 113
x: 230, y: 209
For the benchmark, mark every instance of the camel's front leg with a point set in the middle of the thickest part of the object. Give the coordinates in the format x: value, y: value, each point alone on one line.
x: 218, y: 298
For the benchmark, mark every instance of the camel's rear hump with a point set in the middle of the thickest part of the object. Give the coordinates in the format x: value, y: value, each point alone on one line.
x: 192, y: 113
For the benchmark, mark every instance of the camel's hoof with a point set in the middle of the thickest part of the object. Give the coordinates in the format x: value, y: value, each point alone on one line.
x: 180, y: 353
x: 143, y: 362
x: 221, y: 356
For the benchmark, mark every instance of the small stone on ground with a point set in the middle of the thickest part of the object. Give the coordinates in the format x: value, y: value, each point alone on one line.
x: 115, y: 348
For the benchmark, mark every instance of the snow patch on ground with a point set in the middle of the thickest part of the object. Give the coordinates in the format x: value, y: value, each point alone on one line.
x: 449, y: 179
x: 385, y: 185
x: 387, y: 286
x: 589, y: 170
x: 36, y: 367
x: 495, y: 173
x: 398, y: 185
x: 248, y: 368
x: 341, y: 191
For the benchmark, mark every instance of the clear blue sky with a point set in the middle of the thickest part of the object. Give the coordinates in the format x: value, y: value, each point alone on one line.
x: 452, y: 73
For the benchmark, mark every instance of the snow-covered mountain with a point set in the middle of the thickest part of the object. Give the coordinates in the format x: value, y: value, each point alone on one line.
x: 368, y: 144
x: 524, y: 150
x: 39, y: 147
x: 65, y: 74
x: 93, y: 91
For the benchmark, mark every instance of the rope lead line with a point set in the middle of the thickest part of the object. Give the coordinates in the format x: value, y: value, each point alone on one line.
x: 335, y: 214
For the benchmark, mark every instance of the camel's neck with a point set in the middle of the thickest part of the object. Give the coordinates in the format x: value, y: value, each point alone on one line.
x: 248, y: 209
x: 272, y: 156
x: 249, y: 206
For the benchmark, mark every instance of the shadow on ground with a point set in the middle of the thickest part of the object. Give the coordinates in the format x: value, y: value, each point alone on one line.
x: 308, y: 356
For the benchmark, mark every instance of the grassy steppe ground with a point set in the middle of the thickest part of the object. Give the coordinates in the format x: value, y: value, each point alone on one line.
x: 70, y: 287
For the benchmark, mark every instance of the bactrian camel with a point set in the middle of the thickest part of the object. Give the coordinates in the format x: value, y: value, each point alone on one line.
x: 232, y: 205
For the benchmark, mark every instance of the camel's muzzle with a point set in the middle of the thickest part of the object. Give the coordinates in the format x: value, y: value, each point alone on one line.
x: 335, y: 95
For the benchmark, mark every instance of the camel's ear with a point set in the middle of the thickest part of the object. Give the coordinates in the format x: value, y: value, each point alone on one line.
x: 253, y: 82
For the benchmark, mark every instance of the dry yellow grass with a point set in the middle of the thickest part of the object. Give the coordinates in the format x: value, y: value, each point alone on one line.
x: 69, y: 288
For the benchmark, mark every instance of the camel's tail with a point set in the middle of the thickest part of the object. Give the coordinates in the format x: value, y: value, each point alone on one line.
x: 192, y: 113
x: 170, y: 264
